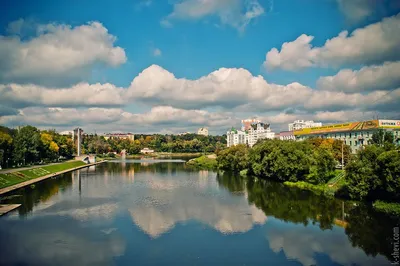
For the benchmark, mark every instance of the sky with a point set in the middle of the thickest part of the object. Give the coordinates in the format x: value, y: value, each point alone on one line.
x: 170, y: 66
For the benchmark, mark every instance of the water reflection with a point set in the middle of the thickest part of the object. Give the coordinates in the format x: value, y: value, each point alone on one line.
x: 115, y: 203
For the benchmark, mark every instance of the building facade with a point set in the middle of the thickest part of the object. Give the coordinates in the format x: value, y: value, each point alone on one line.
x: 249, y: 135
x: 202, y: 131
x: 285, y: 135
x: 300, y: 124
x: 354, y: 134
x: 129, y: 136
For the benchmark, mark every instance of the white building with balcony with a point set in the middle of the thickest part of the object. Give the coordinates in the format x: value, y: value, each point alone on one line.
x: 300, y: 124
x: 250, y: 135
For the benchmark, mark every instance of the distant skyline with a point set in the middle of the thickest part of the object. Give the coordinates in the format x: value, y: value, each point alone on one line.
x: 155, y: 66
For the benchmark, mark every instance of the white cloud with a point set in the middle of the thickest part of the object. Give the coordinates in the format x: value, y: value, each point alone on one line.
x: 304, y: 243
x: 58, y: 51
x: 157, y: 52
x: 101, y: 118
x: 377, y: 77
x: 82, y: 94
x: 375, y: 43
x: 235, y: 13
x: 359, y: 10
x: 238, y: 88
x: 228, y: 93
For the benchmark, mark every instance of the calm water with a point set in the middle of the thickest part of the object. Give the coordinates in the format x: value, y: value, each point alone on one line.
x: 161, y: 213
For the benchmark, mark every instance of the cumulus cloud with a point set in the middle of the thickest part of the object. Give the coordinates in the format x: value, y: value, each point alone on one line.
x: 56, y: 52
x: 101, y: 118
x: 82, y: 94
x: 238, y: 88
x: 235, y: 13
x: 228, y: 94
x: 358, y: 10
x: 373, y: 44
x: 376, y: 77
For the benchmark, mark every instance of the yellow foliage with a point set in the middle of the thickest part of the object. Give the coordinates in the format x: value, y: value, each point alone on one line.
x: 53, y: 146
x: 5, y: 139
x: 46, y: 138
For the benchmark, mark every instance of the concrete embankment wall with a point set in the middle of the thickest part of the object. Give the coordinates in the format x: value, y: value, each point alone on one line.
x: 33, y: 181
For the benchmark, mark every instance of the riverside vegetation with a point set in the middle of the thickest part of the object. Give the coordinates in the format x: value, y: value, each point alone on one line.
x: 372, y: 174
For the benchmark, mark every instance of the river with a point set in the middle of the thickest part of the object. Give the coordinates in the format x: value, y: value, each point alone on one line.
x: 162, y: 213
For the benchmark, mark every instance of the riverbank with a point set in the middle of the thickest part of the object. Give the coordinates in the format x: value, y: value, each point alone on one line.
x: 204, y: 162
x: 18, y: 179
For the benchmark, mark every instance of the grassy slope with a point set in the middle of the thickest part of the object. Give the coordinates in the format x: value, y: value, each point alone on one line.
x: 328, y: 189
x: 16, y: 177
x: 203, y: 162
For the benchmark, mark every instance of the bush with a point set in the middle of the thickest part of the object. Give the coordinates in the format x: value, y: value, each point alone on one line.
x: 374, y: 174
x: 281, y: 160
x: 234, y: 158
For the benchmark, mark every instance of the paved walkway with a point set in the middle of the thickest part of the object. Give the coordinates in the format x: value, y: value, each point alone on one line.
x: 32, y: 181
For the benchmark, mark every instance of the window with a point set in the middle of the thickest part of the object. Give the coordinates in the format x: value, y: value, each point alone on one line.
x: 355, y: 135
x: 350, y: 142
x: 355, y: 143
x: 350, y: 135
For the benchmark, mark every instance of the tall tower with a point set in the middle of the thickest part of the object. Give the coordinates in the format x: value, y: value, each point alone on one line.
x: 77, y: 138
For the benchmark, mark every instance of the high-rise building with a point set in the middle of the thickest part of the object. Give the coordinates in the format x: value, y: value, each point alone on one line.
x: 249, y: 134
x: 202, y: 131
x: 77, y: 138
x: 300, y: 124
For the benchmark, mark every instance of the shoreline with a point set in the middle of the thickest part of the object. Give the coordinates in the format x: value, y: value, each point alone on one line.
x: 33, y: 181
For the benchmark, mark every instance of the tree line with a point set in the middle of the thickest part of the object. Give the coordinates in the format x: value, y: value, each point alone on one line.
x: 373, y: 173
x: 159, y: 143
x: 29, y: 145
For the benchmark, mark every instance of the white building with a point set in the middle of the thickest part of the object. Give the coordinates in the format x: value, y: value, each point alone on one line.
x: 300, y: 124
x: 250, y: 135
x: 258, y: 131
x: 235, y: 137
x: 202, y: 131
x: 146, y: 151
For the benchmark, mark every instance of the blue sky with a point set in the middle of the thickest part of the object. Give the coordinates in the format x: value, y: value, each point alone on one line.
x: 55, y: 48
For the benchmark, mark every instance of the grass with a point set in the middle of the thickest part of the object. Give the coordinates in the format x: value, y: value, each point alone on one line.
x: 203, y: 162
x: 327, y: 189
x: 16, y: 177
x: 391, y: 208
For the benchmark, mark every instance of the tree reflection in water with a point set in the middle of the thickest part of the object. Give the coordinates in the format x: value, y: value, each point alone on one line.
x: 367, y: 229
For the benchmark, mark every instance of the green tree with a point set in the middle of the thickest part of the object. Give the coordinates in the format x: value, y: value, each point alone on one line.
x: 27, y: 145
x: 281, y: 160
x: 6, y: 142
x: 323, y: 166
x: 383, y: 138
x: 234, y: 158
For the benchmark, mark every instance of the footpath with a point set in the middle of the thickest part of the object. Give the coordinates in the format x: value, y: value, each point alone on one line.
x: 4, y: 208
